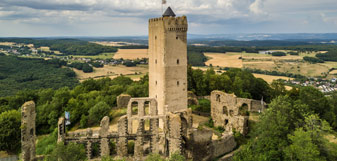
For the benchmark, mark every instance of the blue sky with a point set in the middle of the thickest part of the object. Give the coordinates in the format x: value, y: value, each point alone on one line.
x: 27, y: 18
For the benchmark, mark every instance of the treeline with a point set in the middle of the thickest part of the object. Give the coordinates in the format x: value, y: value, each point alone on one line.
x: 253, y: 43
x: 276, y: 73
x: 196, y: 58
x: 278, y: 54
x: 312, y: 59
x: 85, y: 67
x: 241, y: 83
x: 23, y: 73
x: 65, y: 46
x: 329, y: 56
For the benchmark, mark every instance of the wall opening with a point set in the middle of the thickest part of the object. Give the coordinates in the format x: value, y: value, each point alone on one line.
x: 243, y: 110
x: 134, y: 106
x: 177, y: 83
x: 178, y: 61
x: 224, y: 110
x: 231, y: 112
x: 177, y: 37
x: 155, y: 37
x: 131, y: 147
x: 147, y: 108
x: 218, y: 98
x: 155, y: 61
x: 113, y: 147
x: 226, y: 121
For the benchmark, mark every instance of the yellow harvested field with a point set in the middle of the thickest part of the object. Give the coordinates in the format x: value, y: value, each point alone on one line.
x: 131, y: 54
x: 112, y: 72
x: 7, y: 43
x: 45, y: 48
x: 270, y: 78
x: 333, y: 72
x: 224, y: 60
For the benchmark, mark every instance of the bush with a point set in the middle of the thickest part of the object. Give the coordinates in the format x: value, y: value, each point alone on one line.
x: 293, y: 53
x: 176, y: 157
x: 87, y: 68
x: 69, y: 152
x: 279, y: 54
x: 97, y: 112
x: 154, y: 157
x: 10, y: 131
x: 312, y: 60
x: 46, y: 144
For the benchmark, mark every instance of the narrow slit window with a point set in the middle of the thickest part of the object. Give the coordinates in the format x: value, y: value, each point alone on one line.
x: 177, y: 83
x: 155, y: 61
x: 177, y: 61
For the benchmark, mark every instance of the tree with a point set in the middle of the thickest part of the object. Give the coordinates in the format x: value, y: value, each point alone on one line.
x: 72, y: 151
x: 97, y: 112
x: 302, y: 147
x: 271, y: 135
x: 10, y: 131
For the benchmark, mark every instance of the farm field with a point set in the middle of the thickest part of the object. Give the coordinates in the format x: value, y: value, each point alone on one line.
x: 100, y: 56
x: 113, y: 71
x: 7, y: 43
x: 131, y: 54
x: 286, y: 64
x: 270, y: 78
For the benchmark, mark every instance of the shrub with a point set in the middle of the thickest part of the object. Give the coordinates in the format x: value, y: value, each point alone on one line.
x: 312, y: 60
x: 278, y: 54
x: 154, y: 157
x: 46, y: 144
x: 97, y: 112
x: 10, y: 132
x: 72, y: 151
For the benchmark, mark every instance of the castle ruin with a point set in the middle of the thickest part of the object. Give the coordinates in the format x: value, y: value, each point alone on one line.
x: 161, y: 123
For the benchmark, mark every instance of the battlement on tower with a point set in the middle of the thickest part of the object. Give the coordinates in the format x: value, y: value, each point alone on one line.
x: 170, y: 23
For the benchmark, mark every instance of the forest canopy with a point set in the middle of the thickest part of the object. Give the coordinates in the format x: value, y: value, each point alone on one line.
x: 23, y: 73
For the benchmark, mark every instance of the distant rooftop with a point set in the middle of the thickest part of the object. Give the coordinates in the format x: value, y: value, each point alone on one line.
x: 169, y: 13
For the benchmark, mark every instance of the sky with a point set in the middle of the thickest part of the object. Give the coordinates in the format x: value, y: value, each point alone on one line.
x: 41, y: 18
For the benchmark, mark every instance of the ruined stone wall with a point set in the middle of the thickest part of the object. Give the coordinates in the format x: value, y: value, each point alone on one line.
x: 168, y: 62
x: 223, y: 145
x: 231, y: 112
x: 123, y: 100
x: 28, y: 131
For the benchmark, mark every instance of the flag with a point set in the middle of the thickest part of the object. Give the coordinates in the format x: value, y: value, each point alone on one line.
x: 163, y: 2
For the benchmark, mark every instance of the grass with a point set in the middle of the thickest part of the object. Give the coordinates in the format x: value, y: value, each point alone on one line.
x: 100, y: 56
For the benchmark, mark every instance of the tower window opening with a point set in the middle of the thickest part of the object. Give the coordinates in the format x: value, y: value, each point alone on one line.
x: 177, y: 83
x: 155, y: 61
x: 177, y: 37
x: 156, y: 82
x: 177, y: 61
x: 155, y: 37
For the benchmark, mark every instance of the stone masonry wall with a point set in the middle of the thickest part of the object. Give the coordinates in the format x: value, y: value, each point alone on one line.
x: 28, y: 131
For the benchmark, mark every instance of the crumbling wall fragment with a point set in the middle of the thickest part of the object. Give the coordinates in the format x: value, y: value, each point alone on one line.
x: 123, y: 100
x: 28, y: 131
x: 103, y: 133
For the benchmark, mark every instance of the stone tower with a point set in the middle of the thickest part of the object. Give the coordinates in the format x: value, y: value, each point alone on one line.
x: 168, y: 61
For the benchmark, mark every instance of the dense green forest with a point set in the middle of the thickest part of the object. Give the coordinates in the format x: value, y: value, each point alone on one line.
x: 23, y: 73
x: 65, y: 46
x: 331, y: 55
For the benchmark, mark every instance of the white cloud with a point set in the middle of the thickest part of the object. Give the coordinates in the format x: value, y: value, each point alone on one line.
x: 257, y: 7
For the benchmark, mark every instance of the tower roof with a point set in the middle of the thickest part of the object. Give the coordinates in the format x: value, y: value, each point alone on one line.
x: 169, y: 13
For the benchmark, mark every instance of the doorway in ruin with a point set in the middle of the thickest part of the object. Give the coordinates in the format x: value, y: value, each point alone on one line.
x: 243, y: 110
